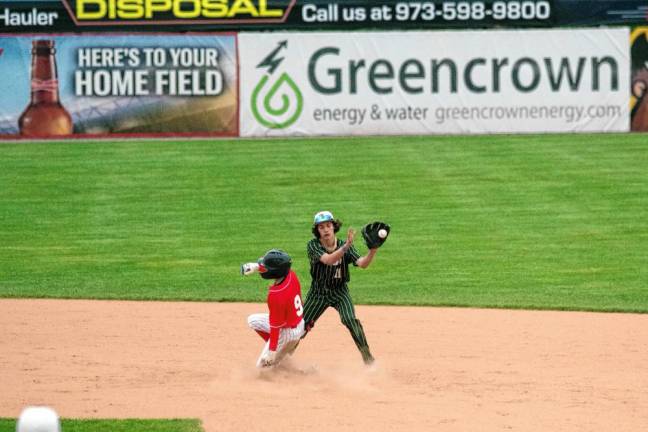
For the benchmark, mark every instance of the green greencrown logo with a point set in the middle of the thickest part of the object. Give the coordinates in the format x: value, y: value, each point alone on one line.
x: 278, y: 104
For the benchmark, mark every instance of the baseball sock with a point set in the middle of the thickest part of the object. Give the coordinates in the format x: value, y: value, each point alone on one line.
x: 263, y: 334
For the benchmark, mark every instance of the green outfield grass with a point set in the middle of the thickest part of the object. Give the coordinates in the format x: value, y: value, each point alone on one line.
x: 533, y: 221
x: 128, y: 425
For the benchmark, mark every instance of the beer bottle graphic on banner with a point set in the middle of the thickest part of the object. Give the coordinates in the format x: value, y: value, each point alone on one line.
x: 45, y: 116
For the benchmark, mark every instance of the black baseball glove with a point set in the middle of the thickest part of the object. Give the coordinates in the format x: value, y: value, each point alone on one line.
x: 371, y: 234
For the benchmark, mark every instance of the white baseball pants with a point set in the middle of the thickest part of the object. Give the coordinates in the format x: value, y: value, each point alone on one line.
x: 288, y: 337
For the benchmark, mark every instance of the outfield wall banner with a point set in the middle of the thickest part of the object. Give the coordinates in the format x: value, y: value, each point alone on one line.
x: 29, y: 16
x: 196, y: 15
x: 434, y: 82
x: 125, y: 84
x: 639, y: 79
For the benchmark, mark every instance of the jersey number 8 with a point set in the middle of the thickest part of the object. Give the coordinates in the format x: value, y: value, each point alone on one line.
x: 298, y: 306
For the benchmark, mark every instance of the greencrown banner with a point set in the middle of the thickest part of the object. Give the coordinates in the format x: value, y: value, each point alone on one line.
x: 366, y: 83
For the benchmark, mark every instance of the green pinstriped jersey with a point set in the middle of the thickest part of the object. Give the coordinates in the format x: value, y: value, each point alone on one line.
x: 329, y: 276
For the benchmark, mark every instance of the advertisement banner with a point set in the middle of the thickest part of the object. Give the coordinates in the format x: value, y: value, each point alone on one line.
x: 600, y: 12
x: 375, y: 83
x: 48, y: 16
x: 22, y: 16
x: 92, y: 85
x: 639, y: 79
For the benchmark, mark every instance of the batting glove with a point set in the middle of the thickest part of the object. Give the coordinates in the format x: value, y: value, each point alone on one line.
x: 249, y: 268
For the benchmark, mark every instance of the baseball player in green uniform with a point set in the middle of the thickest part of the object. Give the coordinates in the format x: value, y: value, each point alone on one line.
x: 329, y: 268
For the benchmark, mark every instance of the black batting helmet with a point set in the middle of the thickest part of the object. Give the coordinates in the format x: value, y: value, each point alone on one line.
x: 274, y: 264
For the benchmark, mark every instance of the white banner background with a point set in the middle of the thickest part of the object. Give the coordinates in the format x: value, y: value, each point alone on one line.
x: 375, y: 83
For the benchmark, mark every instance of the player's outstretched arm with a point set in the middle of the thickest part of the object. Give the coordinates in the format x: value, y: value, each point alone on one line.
x: 363, y: 262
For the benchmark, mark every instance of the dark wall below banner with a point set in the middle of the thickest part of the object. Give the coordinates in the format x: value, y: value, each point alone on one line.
x: 18, y: 16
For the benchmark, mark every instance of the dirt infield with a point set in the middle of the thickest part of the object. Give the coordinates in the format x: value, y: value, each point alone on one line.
x: 438, y: 369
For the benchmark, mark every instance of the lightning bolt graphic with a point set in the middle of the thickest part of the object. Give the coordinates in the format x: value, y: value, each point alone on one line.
x: 270, y: 61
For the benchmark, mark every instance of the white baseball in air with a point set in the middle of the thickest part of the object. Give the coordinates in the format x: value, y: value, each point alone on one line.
x: 382, y: 233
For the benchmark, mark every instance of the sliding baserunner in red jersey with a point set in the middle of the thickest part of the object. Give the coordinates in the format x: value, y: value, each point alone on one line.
x: 283, y: 326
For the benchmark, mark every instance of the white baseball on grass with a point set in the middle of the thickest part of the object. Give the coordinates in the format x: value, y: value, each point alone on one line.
x: 382, y: 233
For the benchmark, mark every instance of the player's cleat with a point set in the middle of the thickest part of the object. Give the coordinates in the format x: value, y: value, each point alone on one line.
x: 367, y: 357
x: 308, y: 327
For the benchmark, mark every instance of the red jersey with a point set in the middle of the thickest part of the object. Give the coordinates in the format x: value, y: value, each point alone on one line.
x: 285, y: 305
